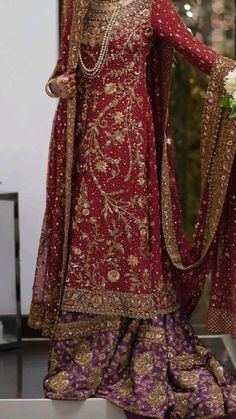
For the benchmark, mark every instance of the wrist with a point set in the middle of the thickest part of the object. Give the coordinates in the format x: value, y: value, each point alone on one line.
x: 49, y: 89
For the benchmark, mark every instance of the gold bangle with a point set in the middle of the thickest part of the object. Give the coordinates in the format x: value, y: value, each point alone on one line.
x: 48, y: 89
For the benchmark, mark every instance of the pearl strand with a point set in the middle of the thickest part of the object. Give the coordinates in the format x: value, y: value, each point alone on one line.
x: 92, y: 72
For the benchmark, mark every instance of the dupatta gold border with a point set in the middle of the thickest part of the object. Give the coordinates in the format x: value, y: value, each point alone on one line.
x: 79, y: 11
x: 218, y: 148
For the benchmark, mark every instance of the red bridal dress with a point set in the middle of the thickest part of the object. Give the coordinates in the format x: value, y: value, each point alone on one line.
x: 121, y: 334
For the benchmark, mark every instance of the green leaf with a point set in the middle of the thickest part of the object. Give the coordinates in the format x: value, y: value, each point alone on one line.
x: 225, y: 101
x: 233, y: 111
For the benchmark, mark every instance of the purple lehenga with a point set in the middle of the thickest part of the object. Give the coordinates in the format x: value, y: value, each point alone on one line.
x: 139, y: 365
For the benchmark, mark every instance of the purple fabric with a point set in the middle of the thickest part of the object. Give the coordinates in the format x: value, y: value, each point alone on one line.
x: 153, y: 368
x: 133, y: 416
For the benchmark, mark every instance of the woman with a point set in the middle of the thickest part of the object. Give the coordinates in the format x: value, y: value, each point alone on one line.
x: 116, y: 276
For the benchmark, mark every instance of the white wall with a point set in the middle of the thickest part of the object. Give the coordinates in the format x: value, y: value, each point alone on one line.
x: 28, y: 52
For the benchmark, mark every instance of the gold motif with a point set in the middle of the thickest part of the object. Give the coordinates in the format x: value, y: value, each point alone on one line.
x: 157, y: 396
x: 113, y: 275
x: 110, y: 88
x: 101, y: 166
x: 85, y: 211
x: 152, y: 334
x: 189, y: 378
x: 88, y: 327
x: 217, y: 370
x: 216, y: 394
x: 59, y: 382
x: 84, y: 356
x: 76, y: 251
x: 94, y: 379
x: 141, y: 181
x: 126, y: 388
x: 113, y: 303
x: 119, y: 117
x: 181, y: 400
x: 133, y: 260
x: 143, y: 364
x: 233, y: 392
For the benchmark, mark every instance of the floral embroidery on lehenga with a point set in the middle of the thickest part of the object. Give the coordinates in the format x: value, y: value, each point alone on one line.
x: 150, y: 367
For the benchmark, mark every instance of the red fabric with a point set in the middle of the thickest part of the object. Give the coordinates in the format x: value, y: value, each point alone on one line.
x: 171, y: 32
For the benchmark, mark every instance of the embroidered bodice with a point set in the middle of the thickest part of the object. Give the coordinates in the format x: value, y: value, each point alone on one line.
x: 138, y: 22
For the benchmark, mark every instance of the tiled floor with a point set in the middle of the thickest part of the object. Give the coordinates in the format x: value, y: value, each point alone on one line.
x: 22, y: 370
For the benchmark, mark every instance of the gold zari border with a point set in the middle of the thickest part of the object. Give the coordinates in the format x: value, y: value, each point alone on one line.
x: 88, y: 327
x: 41, y: 319
x: 139, y: 306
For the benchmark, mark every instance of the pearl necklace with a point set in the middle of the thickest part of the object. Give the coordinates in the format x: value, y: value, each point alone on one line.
x: 95, y: 70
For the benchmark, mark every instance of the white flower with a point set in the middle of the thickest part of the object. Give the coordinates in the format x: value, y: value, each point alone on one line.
x: 230, y: 82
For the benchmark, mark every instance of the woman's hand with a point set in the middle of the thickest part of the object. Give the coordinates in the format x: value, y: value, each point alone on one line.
x: 64, y: 86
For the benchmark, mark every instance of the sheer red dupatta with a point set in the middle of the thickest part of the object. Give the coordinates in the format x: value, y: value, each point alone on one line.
x: 52, y: 252
x: 212, y: 249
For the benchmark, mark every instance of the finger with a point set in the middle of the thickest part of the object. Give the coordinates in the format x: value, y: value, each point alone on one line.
x: 65, y: 83
x: 71, y: 84
x: 64, y: 80
x: 69, y: 89
x: 72, y: 76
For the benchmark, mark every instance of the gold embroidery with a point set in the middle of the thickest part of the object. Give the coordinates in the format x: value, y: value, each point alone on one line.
x: 113, y: 276
x: 76, y: 251
x: 201, y: 350
x: 152, y: 334
x: 181, y: 401
x: 110, y: 88
x: 188, y: 378
x: 133, y: 260
x: 127, y: 388
x: 113, y: 303
x: 144, y: 363
x: 157, y: 396
x: 101, y: 166
x: 185, y: 360
x: 233, y: 392
x: 84, y: 356
x: 88, y: 327
x: 94, y: 379
x: 59, y: 382
x: 216, y: 394
x: 119, y: 117
x: 41, y: 318
x: 217, y: 370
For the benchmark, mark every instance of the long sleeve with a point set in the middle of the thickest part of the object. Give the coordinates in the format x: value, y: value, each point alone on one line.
x: 66, y: 21
x: 167, y: 23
